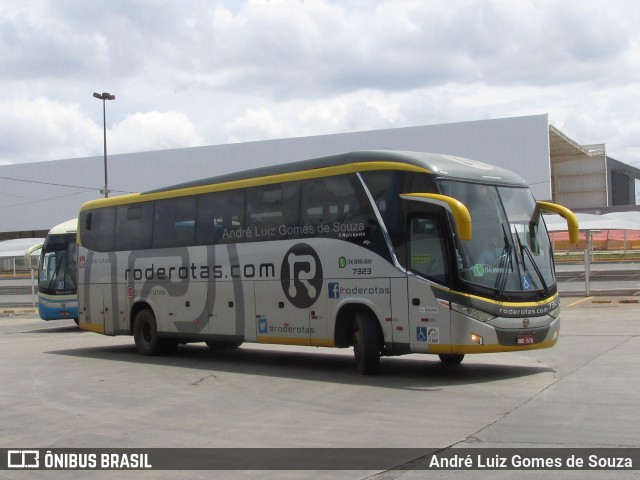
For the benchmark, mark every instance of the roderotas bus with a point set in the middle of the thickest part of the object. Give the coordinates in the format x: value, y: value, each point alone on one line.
x: 386, y: 252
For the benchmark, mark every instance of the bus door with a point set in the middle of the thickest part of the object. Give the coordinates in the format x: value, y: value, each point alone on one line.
x: 427, y: 285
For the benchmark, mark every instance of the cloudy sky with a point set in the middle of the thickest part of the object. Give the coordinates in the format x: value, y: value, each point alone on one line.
x: 205, y: 72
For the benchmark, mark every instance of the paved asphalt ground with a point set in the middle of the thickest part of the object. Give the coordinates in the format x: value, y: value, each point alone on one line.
x: 65, y: 388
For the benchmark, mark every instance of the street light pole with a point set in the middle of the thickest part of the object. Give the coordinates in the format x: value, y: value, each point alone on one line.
x: 104, y: 97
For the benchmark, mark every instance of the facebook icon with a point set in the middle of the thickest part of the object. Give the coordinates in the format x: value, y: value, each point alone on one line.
x: 334, y: 290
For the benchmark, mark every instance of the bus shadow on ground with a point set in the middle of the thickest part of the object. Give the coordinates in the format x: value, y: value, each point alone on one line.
x: 66, y: 328
x: 424, y: 373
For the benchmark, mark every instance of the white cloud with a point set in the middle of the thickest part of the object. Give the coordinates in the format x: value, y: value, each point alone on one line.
x: 42, y: 129
x: 253, y: 123
x: 152, y: 131
x: 359, y: 111
x: 249, y: 70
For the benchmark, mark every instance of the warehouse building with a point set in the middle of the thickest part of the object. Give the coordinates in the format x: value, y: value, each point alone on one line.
x: 36, y: 196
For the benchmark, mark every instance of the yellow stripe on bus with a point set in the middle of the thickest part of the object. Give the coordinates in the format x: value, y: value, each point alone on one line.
x: 470, y: 349
x: 539, y: 303
x: 322, y: 342
x: 253, y: 182
x: 304, y: 341
x: 92, y: 327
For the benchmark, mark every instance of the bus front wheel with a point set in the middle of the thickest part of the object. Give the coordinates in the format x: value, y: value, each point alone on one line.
x: 366, y: 344
x: 145, y: 334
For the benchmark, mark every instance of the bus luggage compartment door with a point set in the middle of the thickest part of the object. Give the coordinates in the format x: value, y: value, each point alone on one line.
x: 95, y: 312
x: 278, y: 319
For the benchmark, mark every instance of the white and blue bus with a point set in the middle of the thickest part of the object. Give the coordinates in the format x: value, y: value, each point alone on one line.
x: 57, y: 274
x: 386, y: 252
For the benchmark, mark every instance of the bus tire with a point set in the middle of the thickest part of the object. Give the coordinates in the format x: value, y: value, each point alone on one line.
x: 145, y: 334
x: 451, y: 358
x: 366, y: 344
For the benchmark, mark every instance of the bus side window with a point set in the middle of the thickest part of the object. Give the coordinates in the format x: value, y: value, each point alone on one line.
x: 220, y: 218
x: 328, y: 202
x: 427, y: 255
x: 319, y: 206
x: 337, y: 207
x: 134, y: 226
x: 174, y: 222
x: 272, y: 209
x: 97, y: 229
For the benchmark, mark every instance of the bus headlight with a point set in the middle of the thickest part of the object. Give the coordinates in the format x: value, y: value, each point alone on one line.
x: 474, y: 313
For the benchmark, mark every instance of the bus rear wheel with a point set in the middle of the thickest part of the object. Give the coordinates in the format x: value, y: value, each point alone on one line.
x: 366, y: 344
x: 451, y: 358
x: 145, y: 334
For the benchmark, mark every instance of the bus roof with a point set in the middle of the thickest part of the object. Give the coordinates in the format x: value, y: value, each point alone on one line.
x: 443, y: 166
x: 70, y: 226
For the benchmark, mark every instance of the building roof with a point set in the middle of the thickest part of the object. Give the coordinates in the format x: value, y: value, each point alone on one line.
x: 17, y: 247
x: 562, y: 147
x: 590, y: 221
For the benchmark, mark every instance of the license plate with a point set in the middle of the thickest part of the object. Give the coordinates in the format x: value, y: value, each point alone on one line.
x: 525, y: 340
x: 65, y: 314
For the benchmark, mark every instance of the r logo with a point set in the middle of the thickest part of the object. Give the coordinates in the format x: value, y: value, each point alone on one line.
x: 301, y: 275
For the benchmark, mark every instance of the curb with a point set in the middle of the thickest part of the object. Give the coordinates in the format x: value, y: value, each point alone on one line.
x: 22, y: 311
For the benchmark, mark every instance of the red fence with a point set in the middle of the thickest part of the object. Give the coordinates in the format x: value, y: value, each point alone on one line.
x: 602, y: 240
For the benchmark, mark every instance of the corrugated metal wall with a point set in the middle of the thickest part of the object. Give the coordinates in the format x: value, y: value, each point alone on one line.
x: 520, y: 144
x: 581, y: 181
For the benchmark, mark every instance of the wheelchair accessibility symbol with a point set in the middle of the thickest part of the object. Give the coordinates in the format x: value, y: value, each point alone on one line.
x: 429, y: 335
x: 422, y: 334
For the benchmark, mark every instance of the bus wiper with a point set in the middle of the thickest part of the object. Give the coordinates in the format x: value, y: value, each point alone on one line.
x: 54, y: 276
x: 537, y: 270
x: 501, y: 281
x: 525, y: 249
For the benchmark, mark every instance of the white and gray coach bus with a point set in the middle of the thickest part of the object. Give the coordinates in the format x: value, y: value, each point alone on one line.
x: 388, y: 252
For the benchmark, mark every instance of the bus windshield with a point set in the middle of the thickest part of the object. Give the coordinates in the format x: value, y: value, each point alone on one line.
x: 510, y: 250
x: 58, y: 264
